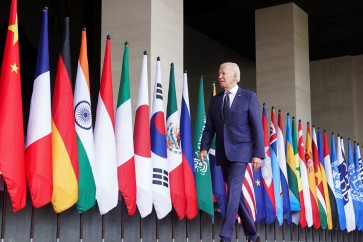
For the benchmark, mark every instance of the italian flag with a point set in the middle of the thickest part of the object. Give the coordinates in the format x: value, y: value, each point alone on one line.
x: 124, y: 139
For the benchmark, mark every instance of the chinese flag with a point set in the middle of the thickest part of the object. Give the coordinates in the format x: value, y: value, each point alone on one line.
x: 12, y: 165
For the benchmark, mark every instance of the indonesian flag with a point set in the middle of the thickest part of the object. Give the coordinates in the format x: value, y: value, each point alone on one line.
x: 83, y: 119
x: 104, y: 138
x: 142, y: 146
x: 124, y: 139
x: 38, y: 147
x: 160, y: 180
x: 12, y: 164
x: 174, y: 152
x: 64, y: 146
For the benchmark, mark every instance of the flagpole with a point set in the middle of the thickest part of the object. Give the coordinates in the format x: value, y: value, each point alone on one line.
x: 3, y: 215
x: 186, y: 230
x: 81, y: 227
x: 103, y: 228
x: 122, y: 220
x: 275, y: 231
x: 172, y: 226
x: 305, y: 232
x: 141, y: 224
x: 157, y: 228
x: 32, y: 225
x: 213, y: 236
x: 200, y: 226
x: 283, y: 232
x: 58, y: 228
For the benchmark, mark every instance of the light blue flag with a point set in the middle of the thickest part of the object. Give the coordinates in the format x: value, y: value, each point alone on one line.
x: 348, y: 201
x: 358, y: 170
x: 355, y: 182
x: 337, y: 182
x: 360, y: 162
x: 276, y: 169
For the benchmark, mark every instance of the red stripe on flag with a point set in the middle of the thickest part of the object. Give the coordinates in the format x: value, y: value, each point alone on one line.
x: 142, y: 132
x: 106, y: 86
x: 39, y: 174
x: 63, y: 114
x: 127, y: 185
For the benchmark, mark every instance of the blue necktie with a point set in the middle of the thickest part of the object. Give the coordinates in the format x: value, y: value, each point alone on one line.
x: 226, y: 106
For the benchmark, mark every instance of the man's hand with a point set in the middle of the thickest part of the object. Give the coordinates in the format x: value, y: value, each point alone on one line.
x: 203, y: 154
x: 256, y: 163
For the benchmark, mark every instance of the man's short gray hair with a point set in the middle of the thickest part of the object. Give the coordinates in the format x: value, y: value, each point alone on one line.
x: 234, y: 68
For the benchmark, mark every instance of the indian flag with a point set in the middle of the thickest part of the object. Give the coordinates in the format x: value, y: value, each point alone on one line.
x: 83, y: 119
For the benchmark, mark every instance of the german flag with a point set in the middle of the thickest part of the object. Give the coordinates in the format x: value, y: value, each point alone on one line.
x: 64, y: 143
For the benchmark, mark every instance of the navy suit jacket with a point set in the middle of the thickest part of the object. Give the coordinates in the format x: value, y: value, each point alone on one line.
x: 240, y: 137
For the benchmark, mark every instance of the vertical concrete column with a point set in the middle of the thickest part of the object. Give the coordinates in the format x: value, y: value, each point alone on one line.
x: 155, y: 26
x: 282, y: 59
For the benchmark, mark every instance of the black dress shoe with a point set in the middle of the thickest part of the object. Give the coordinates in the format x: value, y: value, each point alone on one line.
x: 222, y: 240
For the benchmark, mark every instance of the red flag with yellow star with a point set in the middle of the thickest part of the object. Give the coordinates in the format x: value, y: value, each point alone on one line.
x: 12, y: 165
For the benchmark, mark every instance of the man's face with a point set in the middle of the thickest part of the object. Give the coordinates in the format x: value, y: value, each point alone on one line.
x: 227, y: 79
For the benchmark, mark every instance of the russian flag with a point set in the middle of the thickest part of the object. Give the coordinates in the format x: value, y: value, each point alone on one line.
x: 187, y: 153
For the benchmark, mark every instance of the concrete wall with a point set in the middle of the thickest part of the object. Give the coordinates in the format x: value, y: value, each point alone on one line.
x: 357, y: 73
x: 155, y: 26
x: 203, y: 56
x: 336, y: 87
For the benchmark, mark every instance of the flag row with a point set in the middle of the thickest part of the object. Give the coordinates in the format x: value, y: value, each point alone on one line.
x: 155, y: 164
x: 68, y: 160
x: 306, y: 183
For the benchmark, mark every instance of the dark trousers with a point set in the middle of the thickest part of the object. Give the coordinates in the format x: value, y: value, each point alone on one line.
x: 234, y: 173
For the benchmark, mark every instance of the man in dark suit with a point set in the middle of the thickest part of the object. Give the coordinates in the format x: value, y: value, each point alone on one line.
x: 234, y: 116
